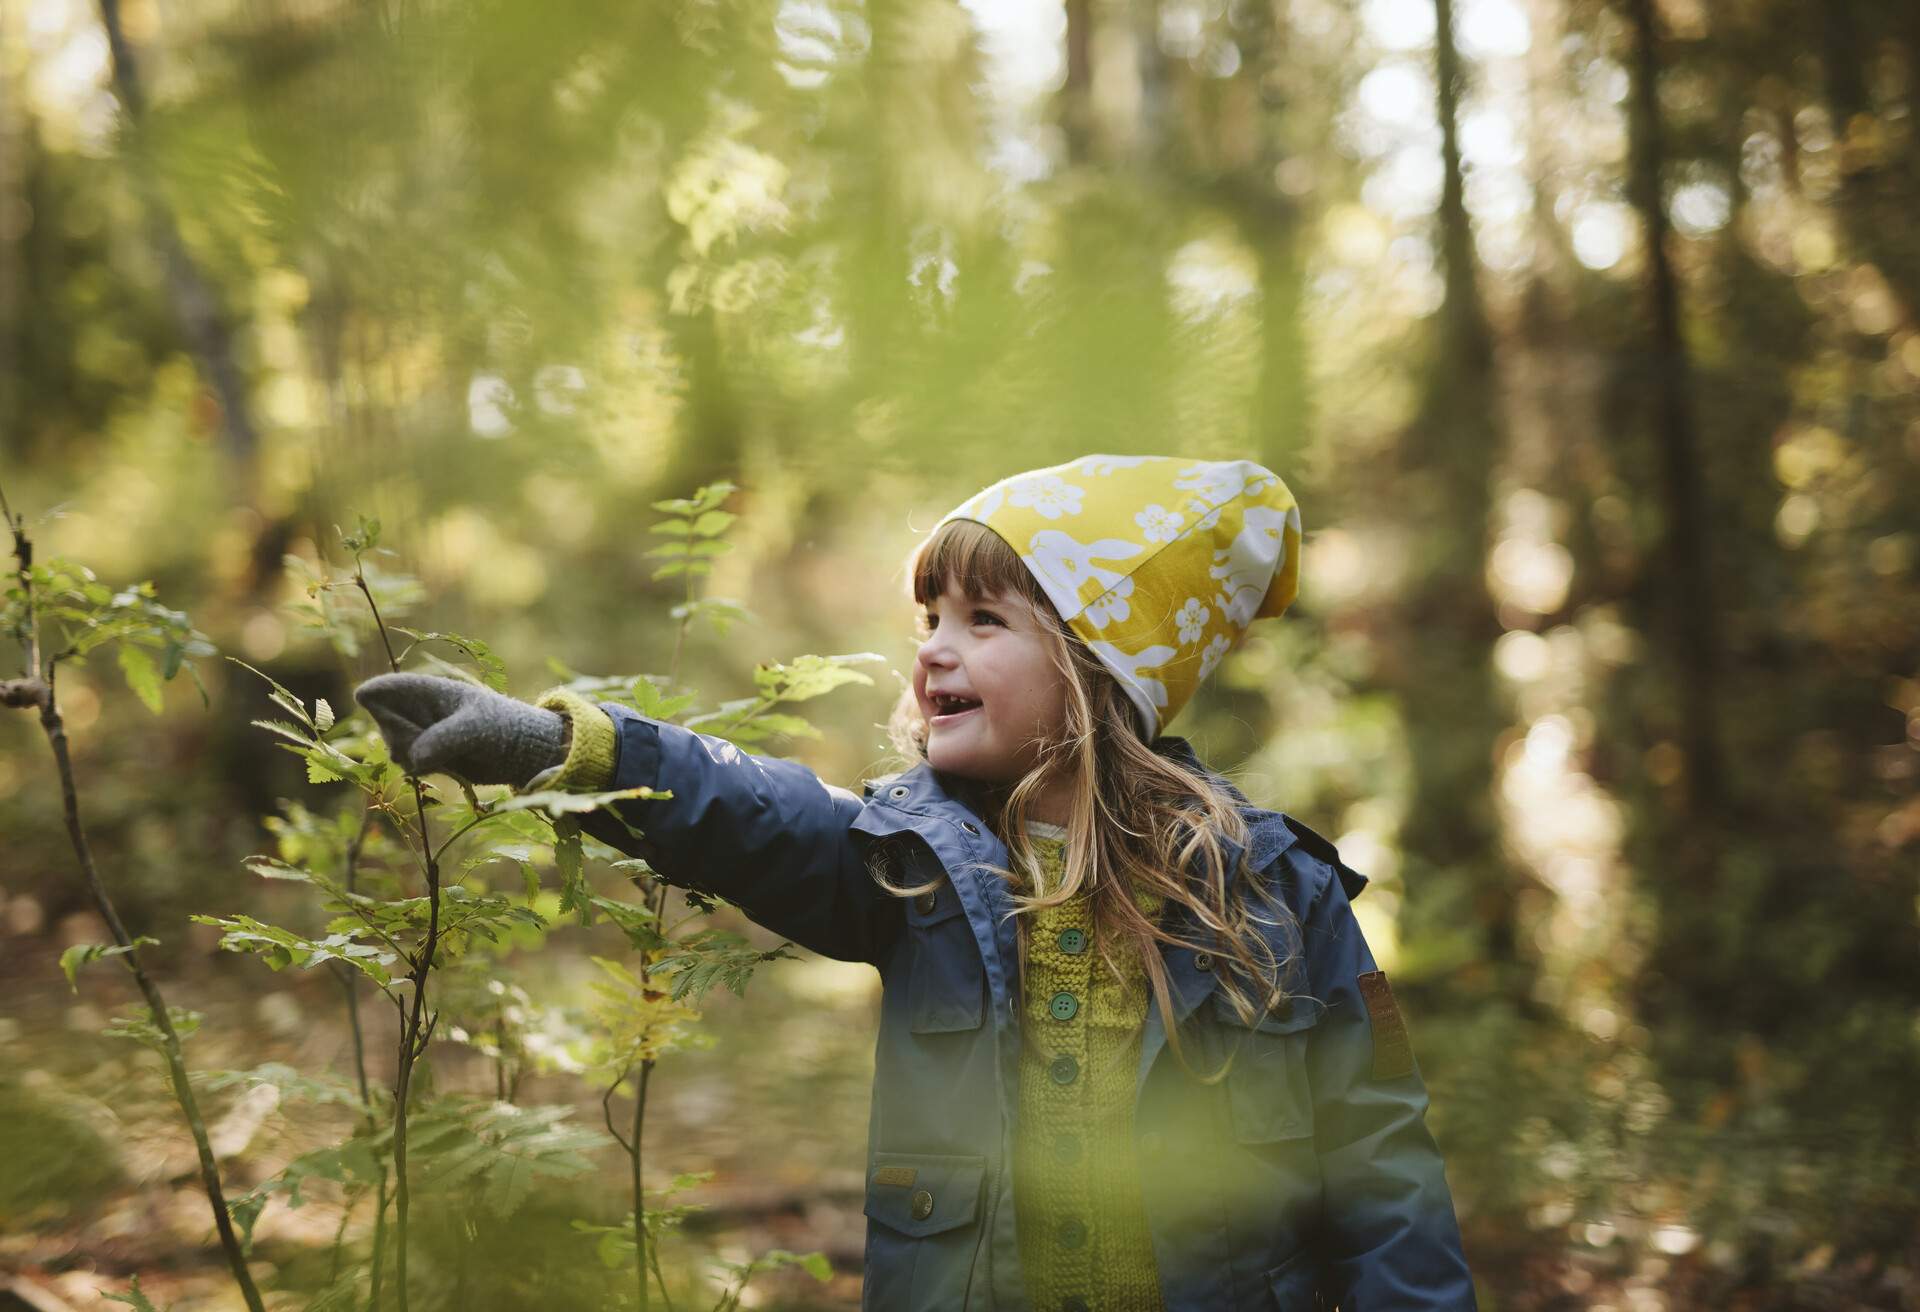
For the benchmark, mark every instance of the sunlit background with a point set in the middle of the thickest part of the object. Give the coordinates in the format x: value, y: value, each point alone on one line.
x: 1584, y: 331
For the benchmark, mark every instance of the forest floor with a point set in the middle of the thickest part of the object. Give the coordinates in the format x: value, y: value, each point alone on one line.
x: 103, y: 1186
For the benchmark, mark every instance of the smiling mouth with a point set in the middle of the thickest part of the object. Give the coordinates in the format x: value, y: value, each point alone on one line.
x: 952, y: 709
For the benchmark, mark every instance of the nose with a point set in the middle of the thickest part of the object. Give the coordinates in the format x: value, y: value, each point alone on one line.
x: 933, y: 653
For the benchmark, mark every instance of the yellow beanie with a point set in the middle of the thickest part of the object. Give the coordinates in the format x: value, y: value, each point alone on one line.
x: 1158, y: 563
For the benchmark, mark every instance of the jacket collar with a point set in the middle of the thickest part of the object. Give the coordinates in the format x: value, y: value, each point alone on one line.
x: 934, y: 805
x: 925, y: 791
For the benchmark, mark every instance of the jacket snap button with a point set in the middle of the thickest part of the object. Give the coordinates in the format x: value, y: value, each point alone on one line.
x: 1064, y: 1070
x: 923, y: 902
x: 1072, y: 1233
x: 1073, y: 1305
x: 898, y: 790
x: 1064, y: 1006
x: 922, y: 1205
x: 1073, y: 941
x: 1203, y: 961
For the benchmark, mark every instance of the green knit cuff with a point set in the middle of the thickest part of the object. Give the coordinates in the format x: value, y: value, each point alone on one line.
x: 590, y: 756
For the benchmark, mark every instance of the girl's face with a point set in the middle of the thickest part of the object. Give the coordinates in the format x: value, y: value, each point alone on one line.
x: 991, y: 652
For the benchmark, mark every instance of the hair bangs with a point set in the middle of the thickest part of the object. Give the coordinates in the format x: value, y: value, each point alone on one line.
x: 968, y: 555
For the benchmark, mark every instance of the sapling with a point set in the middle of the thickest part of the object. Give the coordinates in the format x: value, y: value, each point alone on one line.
x: 638, y: 1020
x: 406, y: 946
x: 398, y: 943
x: 87, y: 615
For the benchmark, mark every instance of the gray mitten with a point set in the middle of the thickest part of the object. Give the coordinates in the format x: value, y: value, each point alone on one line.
x: 444, y: 725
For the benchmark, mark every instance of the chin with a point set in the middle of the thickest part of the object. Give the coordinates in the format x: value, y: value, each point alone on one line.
x: 951, y: 758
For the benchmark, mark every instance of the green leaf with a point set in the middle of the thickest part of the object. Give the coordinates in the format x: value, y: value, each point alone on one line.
x: 142, y: 677
x: 245, y: 1211
x: 281, y: 948
x: 84, y: 954
x: 673, y: 527
x: 650, y: 699
x: 140, y: 1027
x: 806, y: 677
x: 290, y: 732
x: 670, y: 569
x: 636, y: 922
x: 493, y: 1153
x: 706, y: 498
x: 614, y: 1250
x: 355, y: 1159
x: 279, y: 695
x: 493, y: 671
x: 133, y: 1298
x: 712, y: 522
x: 322, y: 715
x: 722, y: 611
x: 574, y: 893
x: 558, y: 802
x: 290, y: 1082
x: 716, y: 956
x: 668, y: 549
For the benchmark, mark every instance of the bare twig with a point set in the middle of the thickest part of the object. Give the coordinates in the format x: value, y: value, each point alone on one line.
x: 606, y: 1113
x: 416, y: 1027
x: 349, y: 980
x: 646, y: 1258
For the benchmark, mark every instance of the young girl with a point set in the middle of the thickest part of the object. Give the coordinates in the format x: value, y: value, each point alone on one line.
x: 1134, y: 1052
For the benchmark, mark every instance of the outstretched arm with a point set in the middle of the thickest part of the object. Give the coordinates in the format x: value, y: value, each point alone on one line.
x: 766, y: 834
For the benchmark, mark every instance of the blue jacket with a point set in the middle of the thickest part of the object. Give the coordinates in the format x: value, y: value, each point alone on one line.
x: 1305, y: 1179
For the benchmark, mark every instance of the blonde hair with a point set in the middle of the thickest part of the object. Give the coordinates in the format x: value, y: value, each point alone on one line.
x: 1137, y: 820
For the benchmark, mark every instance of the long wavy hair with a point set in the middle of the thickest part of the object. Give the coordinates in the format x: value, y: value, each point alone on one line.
x: 1138, y: 821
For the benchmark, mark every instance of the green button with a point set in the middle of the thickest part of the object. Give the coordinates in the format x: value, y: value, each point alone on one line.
x: 1072, y: 1233
x: 1064, y: 1070
x: 1073, y: 941
x: 1074, y: 1305
x: 1064, y: 1006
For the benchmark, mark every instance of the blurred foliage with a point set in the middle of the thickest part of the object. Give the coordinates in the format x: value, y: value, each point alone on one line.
x: 59, y: 1164
x: 502, y: 274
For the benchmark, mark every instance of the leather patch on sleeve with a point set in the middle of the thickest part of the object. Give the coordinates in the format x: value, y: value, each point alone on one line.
x: 1392, y: 1052
x: 898, y: 1176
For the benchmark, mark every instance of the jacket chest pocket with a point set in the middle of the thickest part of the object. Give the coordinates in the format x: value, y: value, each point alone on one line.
x: 946, y: 980
x: 947, y: 983
x: 1269, y: 1096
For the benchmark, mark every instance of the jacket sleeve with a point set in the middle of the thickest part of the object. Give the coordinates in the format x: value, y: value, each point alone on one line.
x: 1393, y: 1241
x: 766, y: 834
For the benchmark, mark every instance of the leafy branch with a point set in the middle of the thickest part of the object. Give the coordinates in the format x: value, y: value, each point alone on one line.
x: 88, y: 615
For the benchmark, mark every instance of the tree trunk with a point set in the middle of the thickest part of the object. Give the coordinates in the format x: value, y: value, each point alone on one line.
x: 1460, y: 903
x: 1690, y: 601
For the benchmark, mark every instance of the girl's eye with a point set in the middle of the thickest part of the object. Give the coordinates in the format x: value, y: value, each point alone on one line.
x: 928, y: 623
